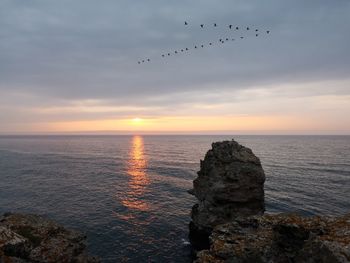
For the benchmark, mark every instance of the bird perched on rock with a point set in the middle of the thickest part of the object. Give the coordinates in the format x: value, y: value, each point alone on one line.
x: 163, y: 55
x: 202, y: 46
x: 256, y: 30
x: 237, y: 27
x: 268, y: 32
x: 186, y: 49
x: 256, y: 35
x: 202, y: 25
x: 215, y: 25
x: 148, y: 60
x: 210, y: 44
x: 242, y: 37
x: 186, y: 23
x: 230, y: 26
x: 175, y: 52
x: 168, y: 54
x: 195, y: 46
x: 248, y: 28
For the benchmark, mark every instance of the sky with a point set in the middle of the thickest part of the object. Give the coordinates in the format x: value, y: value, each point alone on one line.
x: 70, y: 66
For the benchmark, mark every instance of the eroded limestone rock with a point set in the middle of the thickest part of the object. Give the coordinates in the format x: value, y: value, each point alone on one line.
x: 31, y: 238
x: 280, y: 238
x: 230, y: 184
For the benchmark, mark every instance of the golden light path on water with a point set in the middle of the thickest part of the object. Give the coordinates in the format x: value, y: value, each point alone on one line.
x: 138, y: 181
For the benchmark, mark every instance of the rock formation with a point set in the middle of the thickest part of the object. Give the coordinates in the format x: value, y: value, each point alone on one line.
x: 230, y: 184
x: 230, y: 191
x: 31, y: 238
x: 281, y: 239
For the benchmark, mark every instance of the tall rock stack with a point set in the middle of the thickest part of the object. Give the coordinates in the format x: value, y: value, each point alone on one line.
x: 230, y: 184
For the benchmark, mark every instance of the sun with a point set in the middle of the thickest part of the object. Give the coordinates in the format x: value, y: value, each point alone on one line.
x: 137, y: 120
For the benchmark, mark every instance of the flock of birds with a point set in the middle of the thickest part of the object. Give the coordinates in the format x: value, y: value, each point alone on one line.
x: 221, y: 40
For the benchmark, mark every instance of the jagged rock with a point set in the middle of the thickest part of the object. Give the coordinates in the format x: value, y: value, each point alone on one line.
x: 280, y: 238
x: 31, y: 238
x: 230, y: 184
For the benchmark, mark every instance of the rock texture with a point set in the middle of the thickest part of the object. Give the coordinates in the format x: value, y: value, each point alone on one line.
x: 281, y: 239
x: 230, y: 184
x: 31, y: 238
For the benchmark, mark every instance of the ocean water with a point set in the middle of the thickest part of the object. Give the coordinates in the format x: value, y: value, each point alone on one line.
x: 128, y: 193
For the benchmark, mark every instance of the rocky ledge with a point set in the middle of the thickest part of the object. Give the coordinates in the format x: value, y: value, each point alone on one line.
x: 32, y: 238
x: 280, y: 238
x: 228, y: 222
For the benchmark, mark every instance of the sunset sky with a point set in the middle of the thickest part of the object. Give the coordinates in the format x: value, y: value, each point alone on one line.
x: 71, y: 67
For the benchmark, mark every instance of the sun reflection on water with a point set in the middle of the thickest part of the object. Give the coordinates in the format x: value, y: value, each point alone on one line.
x: 136, y: 169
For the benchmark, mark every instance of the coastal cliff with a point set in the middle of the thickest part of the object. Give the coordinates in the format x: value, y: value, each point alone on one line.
x: 228, y: 223
x: 32, y: 238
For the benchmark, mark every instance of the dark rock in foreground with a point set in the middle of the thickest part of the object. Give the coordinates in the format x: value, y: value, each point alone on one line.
x: 31, y: 238
x: 281, y: 239
x: 230, y: 184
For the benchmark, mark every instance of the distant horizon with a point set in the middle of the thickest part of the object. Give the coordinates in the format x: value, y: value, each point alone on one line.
x: 181, y: 133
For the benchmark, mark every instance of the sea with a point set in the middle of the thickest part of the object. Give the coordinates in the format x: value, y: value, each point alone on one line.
x: 128, y: 194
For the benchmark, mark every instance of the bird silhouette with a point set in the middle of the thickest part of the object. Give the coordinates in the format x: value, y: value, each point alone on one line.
x: 230, y: 26
x: 202, y: 25
x: 195, y: 46
x: 202, y: 45
x: 148, y: 60
x: 257, y: 35
x: 237, y: 27
x: 175, y: 52
x: 143, y: 61
x: 186, y: 23
x: 268, y: 31
x: 182, y: 50
x: 215, y: 25
x: 242, y: 37
x: 186, y: 49
x: 139, y: 62
x: 226, y: 39
x: 168, y: 54
x: 248, y: 28
x: 256, y: 30
x: 210, y: 44
x: 163, y: 55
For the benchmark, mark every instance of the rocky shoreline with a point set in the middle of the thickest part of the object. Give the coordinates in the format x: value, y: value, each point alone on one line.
x: 26, y: 238
x: 229, y: 225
